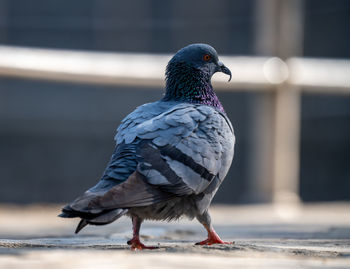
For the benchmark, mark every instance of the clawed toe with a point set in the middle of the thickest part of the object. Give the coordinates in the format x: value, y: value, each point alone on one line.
x: 213, y: 238
x: 135, y: 244
x: 209, y: 242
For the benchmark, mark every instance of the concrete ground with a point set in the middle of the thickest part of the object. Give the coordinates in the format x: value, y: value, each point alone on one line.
x: 266, y: 236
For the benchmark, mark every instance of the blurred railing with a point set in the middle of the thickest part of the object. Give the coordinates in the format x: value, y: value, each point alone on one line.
x: 266, y: 74
x: 249, y: 73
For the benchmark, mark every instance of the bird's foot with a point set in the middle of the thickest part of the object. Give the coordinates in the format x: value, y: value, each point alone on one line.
x: 211, y: 241
x: 136, y: 244
x: 213, y: 238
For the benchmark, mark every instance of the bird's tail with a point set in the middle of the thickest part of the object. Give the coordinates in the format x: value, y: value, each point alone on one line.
x: 102, y: 218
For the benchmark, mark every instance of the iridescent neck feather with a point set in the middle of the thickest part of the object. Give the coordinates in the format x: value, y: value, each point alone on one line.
x: 188, y: 84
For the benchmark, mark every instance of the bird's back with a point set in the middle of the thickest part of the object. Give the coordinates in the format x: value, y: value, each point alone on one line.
x: 182, y: 149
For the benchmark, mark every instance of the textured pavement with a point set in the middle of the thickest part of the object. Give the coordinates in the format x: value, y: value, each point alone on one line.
x: 266, y: 236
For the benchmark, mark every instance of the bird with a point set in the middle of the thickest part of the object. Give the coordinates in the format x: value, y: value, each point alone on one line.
x: 171, y: 155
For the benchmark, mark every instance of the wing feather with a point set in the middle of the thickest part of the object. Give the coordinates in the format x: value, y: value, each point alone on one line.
x: 183, y: 158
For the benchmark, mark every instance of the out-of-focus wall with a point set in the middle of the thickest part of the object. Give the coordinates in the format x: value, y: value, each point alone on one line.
x: 55, y: 138
x: 133, y: 26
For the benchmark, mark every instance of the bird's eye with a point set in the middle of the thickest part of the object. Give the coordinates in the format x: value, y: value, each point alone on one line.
x: 206, y: 57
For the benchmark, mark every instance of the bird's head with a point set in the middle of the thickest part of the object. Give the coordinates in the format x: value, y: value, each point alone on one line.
x: 188, y: 75
x: 200, y: 57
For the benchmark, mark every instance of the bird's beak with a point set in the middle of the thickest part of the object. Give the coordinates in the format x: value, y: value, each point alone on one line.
x: 224, y: 69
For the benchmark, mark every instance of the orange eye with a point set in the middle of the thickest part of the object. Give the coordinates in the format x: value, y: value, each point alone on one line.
x: 206, y: 57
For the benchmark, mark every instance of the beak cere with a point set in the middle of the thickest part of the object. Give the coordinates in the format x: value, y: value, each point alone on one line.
x: 225, y: 70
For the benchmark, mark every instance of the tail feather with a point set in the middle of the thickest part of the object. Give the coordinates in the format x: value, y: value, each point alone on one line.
x: 99, y: 207
x: 101, y: 219
x: 108, y: 217
x: 81, y: 225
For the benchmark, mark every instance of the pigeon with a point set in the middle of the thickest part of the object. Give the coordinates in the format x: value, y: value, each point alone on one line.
x: 171, y: 155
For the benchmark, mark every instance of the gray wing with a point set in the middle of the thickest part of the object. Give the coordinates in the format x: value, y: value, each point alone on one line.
x: 182, y: 150
x: 123, y: 160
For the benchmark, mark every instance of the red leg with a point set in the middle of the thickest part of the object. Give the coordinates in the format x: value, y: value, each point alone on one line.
x: 135, y: 242
x: 213, y: 237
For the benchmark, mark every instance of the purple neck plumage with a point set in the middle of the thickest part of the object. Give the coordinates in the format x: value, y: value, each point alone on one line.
x: 185, y: 83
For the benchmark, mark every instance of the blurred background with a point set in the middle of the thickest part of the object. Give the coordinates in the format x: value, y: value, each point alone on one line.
x: 289, y: 99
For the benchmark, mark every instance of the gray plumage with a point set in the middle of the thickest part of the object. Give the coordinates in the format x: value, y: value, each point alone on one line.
x: 170, y: 158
